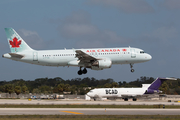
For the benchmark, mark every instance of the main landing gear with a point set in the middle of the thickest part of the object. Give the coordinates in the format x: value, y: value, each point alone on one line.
x: 132, y: 70
x: 80, y: 72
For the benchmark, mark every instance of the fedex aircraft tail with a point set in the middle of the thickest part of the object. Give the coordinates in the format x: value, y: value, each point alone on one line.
x: 153, y: 88
x: 16, y: 43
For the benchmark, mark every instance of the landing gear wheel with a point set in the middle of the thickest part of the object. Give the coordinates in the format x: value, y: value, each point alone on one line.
x: 125, y: 99
x: 80, y: 72
x: 132, y: 70
x: 134, y: 99
x: 84, y: 71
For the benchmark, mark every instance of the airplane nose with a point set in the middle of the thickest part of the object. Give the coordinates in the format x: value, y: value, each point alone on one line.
x: 88, y: 94
x: 149, y: 57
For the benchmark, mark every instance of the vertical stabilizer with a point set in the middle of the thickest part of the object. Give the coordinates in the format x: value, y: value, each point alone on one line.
x: 16, y: 43
x: 153, y: 88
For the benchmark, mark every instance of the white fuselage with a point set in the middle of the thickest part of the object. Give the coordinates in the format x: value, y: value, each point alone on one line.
x: 68, y: 57
x: 116, y: 92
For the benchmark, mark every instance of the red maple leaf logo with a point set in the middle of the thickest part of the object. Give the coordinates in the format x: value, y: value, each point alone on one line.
x: 124, y: 50
x: 15, y: 43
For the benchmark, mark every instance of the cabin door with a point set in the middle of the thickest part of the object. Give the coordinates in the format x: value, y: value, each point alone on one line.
x: 35, y: 56
x: 133, y: 54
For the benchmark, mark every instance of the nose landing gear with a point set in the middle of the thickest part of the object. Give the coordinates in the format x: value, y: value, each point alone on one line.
x: 80, y: 72
x: 132, y: 70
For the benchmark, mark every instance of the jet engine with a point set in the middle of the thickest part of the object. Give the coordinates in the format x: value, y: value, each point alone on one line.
x: 151, y: 91
x: 101, y: 64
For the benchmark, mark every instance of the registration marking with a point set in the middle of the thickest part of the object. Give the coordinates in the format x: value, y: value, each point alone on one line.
x: 72, y: 112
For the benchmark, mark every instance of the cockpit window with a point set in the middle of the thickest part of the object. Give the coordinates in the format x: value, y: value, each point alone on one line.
x: 141, y: 52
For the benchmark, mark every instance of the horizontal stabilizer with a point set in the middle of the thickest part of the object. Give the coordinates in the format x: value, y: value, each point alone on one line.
x: 16, y: 55
x: 169, y: 78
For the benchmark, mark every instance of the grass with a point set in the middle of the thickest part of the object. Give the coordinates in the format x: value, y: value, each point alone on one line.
x: 86, y: 106
x: 89, y: 117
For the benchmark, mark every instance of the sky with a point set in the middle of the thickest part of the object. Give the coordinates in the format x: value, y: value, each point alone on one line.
x: 151, y: 25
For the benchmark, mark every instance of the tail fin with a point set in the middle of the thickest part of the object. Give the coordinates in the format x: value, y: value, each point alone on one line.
x: 156, y: 84
x: 16, y: 43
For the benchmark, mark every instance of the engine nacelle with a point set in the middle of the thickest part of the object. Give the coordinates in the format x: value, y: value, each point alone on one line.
x: 151, y: 91
x: 101, y: 64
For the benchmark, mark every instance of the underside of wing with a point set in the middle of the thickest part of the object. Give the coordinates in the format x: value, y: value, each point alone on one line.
x: 89, y: 61
x: 83, y: 57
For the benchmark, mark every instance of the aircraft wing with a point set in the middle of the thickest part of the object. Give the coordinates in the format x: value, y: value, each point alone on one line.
x: 83, y: 57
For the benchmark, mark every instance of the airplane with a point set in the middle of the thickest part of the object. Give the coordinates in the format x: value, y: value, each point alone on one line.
x: 93, y: 58
x: 126, y: 93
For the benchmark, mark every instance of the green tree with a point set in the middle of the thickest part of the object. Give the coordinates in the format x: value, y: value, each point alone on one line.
x: 45, y: 89
x: 120, y: 83
x: 17, y: 90
x: 24, y: 89
x: 107, y: 85
x: 114, y: 85
x: 63, y: 88
x: 124, y: 83
x: 73, y: 89
x: 36, y: 90
x: 67, y: 87
x: 164, y: 88
x: 60, y: 87
x: 8, y: 88
x: 82, y: 91
x: 177, y: 90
